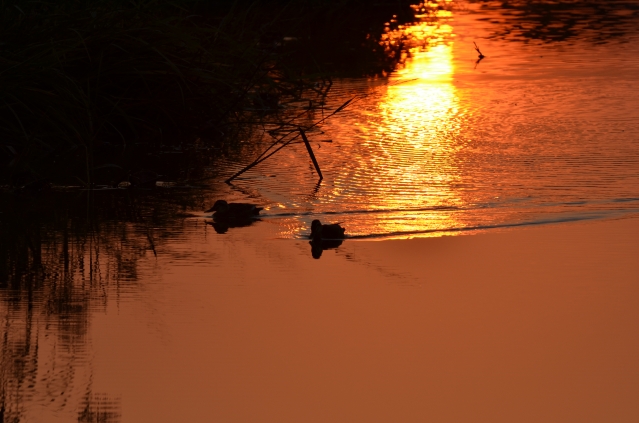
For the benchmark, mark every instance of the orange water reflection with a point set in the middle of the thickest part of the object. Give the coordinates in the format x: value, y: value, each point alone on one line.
x: 409, y: 152
x: 445, y: 142
x: 512, y: 326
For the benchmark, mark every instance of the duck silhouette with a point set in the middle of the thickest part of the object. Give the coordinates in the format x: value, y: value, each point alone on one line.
x: 321, y: 231
x: 325, y: 237
x: 233, y: 211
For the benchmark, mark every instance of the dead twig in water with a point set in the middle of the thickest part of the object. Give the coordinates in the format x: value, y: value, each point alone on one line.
x: 481, y: 56
x: 310, y: 153
x: 263, y: 157
x: 299, y: 131
x: 151, y: 243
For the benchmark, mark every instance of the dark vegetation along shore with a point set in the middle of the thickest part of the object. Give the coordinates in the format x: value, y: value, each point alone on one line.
x: 100, y: 93
x: 93, y: 91
x: 97, y: 92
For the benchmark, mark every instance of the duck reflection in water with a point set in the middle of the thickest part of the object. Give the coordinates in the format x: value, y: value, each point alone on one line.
x: 324, y: 237
x: 232, y: 215
x: 221, y: 227
x: 233, y: 211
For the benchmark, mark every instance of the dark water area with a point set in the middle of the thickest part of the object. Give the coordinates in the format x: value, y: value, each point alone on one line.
x: 131, y: 304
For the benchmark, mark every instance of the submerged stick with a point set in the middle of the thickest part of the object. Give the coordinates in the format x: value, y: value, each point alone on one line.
x: 310, y: 153
x: 151, y: 243
x: 481, y: 56
x: 265, y: 156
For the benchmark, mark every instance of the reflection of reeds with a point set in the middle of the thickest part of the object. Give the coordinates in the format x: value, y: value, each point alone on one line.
x: 62, y: 259
x: 99, y: 409
x: 551, y: 21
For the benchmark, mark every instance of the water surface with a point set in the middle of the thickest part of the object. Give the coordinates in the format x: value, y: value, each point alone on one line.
x: 128, y: 307
x: 545, y: 127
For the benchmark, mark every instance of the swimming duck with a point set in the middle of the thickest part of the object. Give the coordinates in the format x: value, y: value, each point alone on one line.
x: 233, y: 211
x: 320, y: 231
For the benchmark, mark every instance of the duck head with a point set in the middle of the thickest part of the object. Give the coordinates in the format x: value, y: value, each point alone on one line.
x: 219, y: 206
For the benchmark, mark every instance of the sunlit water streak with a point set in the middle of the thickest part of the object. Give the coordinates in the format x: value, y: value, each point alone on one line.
x: 534, y: 132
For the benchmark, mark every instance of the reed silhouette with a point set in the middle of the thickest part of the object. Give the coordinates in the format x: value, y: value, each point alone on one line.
x: 98, y: 85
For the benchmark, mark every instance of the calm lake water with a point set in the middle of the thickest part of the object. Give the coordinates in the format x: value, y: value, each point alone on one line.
x: 151, y: 315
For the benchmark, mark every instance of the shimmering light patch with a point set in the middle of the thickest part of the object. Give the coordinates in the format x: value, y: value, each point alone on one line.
x: 413, y: 131
x: 447, y: 142
x: 405, y: 160
x: 432, y: 29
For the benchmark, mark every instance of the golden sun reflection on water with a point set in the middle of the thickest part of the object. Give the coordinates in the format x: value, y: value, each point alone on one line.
x: 411, y: 153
